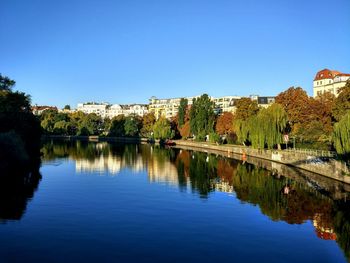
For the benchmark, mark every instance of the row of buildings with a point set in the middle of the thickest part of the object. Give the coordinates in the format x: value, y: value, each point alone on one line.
x: 167, y: 108
x: 325, y: 81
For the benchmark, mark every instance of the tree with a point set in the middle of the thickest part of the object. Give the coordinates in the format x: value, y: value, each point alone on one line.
x: 245, y: 108
x: 342, y: 102
x: 16, y: 117
x: 274, y: 121
x: 67, y: 107
x: 162, y: 129
x: 224, y: 123
x: 265, y: 128
x: 185, y: 130
x: 6, y: 84
x: 131, y: 126
x: 182, y: 112
x: 341, y: 135
x: 202, y: 116
x: 148, y: 121
x: 296, y: 103
x: 91, y: 123
x: 321, y: 110
x: 117, y: 126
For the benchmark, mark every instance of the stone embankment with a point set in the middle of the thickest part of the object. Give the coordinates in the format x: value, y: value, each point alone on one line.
x: 326, y: 166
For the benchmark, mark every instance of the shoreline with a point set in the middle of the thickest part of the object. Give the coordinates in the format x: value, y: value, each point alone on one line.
x: 321, y: 165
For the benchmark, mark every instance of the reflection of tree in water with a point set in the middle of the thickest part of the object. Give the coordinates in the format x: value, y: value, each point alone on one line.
x: 257, y: 186
x: 251, y: 184
x: 16, y: 188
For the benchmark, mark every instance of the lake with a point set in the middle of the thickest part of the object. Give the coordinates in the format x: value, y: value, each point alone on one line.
x: 109, y: 202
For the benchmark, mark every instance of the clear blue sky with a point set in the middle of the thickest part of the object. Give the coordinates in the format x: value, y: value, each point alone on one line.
x: 65, y: 52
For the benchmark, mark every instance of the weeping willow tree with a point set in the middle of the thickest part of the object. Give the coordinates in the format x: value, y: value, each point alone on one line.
x: 341, y: 135
x: 241, y: 129
x: 264, y: 129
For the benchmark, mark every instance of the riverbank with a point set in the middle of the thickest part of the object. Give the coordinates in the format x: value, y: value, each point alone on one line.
x: 323, y: 165
x: 320, y: 164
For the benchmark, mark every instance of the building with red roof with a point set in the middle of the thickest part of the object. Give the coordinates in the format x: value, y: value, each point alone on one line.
x: 329, y: 81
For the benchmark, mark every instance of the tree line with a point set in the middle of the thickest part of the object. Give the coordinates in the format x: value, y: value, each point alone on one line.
x: 20, y: 131
x: 321, y: 122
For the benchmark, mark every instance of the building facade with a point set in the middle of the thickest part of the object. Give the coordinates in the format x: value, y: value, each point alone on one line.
x: 106, y: 110
x: 169, y: 108
x: 38, y: 110
x: 329, y: 81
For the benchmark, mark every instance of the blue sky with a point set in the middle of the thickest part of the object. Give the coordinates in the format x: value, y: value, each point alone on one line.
x: 65, y: 52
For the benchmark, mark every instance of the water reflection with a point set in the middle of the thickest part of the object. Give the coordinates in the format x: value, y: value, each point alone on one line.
x: 17, y: 187
x: 281, y: 198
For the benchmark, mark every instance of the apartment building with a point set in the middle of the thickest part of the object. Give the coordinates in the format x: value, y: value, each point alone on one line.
x: 107, y: 110
x: 329, y: 81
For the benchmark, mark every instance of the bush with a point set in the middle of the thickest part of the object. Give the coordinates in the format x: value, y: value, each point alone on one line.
x: 214, y: 138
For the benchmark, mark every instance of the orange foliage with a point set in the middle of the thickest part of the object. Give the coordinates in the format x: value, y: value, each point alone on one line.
x: 185, y: 130
x: 224, y: 124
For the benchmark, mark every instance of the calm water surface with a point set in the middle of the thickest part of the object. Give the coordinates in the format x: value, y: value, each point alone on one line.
x: 100, y: 202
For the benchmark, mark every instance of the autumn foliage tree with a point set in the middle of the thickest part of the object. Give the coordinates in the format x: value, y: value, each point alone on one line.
x: 295, y: 102
x: 224, y: 123
x: 245, y: 108
x: 148, y: 121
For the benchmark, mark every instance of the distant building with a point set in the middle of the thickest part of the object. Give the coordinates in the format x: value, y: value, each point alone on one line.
x: 329, y: 81
x: 93, y: 107
x: 38, y: 110
x: 107, y: 110
x: 169, y: 108
x: 225, y: 104
x: 263, y: 101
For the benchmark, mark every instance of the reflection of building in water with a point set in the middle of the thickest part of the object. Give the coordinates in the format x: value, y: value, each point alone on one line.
x: 223, y: 186
x: 323, y: 228
x: 110, y: 163
x: 162, y: 172
x: 99, y: 164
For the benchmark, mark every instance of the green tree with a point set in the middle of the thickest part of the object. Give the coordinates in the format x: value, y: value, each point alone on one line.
x: 6, y: 84
x: 341, y: 135
x: 265, y: 128
x: 67, y: 107
x: 92, y: 123
x: 131, y: 126
x: 162, y: 129
x: 16, y: 117
x: 342, y: 102
x: 117, y: 126
x: 182, y: 112
x: 148, y: 121
x: 202, y: 116
x: 269, y: 127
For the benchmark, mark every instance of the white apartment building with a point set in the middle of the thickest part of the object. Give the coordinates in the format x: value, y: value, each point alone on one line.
x: 169, y: 108
x: 106, y: 110
x: 93, y: 107
x: 329, y: 81
x: 225, y: 104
